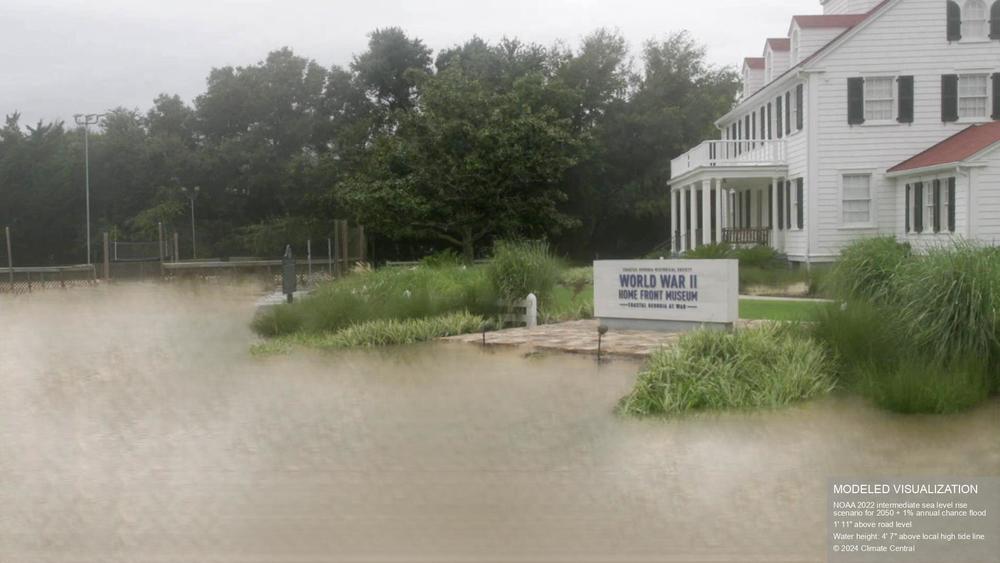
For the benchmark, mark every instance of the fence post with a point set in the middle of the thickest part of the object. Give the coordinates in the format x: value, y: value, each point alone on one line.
x: 107, y: 258
x: 329, y: 257
x: 10, y: 260
x: 362, y: 244
x: 309, y: 261
x: 177, y: 246
x: 345, y: 249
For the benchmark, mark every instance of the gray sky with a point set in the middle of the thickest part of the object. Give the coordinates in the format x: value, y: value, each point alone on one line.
x: 62, y: 57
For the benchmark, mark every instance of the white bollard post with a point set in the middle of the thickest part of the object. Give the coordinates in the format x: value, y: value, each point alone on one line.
x: 531, y: 311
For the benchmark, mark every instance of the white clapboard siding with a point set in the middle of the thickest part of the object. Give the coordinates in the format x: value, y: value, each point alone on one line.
x: 907, y: 39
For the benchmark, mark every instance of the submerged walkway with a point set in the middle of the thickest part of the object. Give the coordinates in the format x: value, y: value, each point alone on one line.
x: 578, y: 337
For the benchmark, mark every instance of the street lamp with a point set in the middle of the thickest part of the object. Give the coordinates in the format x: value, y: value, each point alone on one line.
x: 192, y: 195
x: 85, y: 121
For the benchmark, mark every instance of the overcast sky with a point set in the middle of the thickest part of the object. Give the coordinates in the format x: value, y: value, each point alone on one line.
x: 62, y: 57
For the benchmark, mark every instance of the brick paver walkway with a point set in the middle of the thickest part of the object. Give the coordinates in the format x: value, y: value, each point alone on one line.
x: 578, y: 337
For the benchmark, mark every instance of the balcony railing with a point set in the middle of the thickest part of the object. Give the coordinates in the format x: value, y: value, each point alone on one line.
x: 729, y: 153
x: 756, y: 235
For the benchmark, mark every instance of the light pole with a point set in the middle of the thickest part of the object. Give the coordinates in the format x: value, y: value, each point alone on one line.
x: 85, y: 121
x: 192, y: 195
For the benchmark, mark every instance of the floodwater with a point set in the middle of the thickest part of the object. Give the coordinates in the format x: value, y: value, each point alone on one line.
x: 134, y: 426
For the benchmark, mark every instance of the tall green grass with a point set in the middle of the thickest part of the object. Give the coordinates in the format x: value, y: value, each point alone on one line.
x: 767, y: 367
x: 390, y: 293
x: 382, y: 332
x: 518, y: 268
x: 916, y: 333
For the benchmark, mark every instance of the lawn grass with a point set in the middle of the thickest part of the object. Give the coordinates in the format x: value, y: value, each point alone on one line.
x: 773, y: 310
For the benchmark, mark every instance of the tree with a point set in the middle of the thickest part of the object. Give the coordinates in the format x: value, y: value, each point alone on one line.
x: 468, y: 164
x: 391, y: 67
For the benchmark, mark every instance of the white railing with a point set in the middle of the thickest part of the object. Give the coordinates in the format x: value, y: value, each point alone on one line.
x: 729, y: 153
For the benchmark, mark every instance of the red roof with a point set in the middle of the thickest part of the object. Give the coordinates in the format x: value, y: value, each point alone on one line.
x: 754, y: 62
x: 956, y: 148
x: 838, y: 20
x: 780, y: 43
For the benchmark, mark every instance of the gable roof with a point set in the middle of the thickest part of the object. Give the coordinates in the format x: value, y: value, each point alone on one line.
x: 756, y: 63
x: 778, y: 44
x: 960, y: 146
x: 838, y: 20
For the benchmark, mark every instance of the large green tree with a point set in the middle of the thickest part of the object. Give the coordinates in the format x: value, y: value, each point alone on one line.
x: 469, y: 163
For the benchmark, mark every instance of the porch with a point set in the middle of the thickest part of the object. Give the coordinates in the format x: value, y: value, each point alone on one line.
x: 727, y: 192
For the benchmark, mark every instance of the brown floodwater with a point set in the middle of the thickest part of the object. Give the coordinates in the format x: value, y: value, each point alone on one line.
x: 135, y: 426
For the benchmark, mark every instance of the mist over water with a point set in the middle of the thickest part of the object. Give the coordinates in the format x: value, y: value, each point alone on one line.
x: 135, y: 426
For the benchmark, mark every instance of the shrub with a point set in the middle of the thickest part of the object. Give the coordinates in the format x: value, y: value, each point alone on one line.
x: 382, y: 332
x: 866, y: 269
x: 390, y: 293
x: 523, y: 267
x: 759, y: 257
x: 769, y: 366
x: 858, y: 335
x: 444, y: 259
x: 710, y: 252
x: 916, y: 385
x: 949, y: 301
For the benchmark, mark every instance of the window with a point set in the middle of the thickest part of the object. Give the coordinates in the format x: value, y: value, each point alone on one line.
x: 973, y: 96
x: 974, y: 21
x: 856, y: 199
x: 770, y: 134
x: 788, y: 113
x: 768, y: 65
x: 934, y: 205
x: 879, y: 99
x: 777, y: 114
x: 795, y: 47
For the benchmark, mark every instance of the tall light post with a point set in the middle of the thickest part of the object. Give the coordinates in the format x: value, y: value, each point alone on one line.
x: 192, y: 195
x: 85, y: 121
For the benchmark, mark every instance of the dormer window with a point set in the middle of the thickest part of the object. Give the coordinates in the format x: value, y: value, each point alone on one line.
x: 974, y: 20
x: 795, y: 46
x: 768, y: 67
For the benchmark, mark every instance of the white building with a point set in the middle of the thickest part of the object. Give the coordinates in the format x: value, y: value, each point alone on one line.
x: 877, y: 117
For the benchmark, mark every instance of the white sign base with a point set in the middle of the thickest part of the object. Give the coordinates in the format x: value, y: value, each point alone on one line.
x: 670, y: 295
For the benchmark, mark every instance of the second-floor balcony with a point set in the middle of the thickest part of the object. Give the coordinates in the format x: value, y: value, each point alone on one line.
x: 729, y: 154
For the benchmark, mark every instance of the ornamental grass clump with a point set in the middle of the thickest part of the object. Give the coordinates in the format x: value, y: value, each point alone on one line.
x: 522, y: 267
x: 382, y: 332
x: 389, y: 293
x: 766, y: 367
x: 867, y: 268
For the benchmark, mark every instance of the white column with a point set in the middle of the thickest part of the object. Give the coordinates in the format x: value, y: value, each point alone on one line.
x: 675, y: 214
x: 682, y: 234
x: 774, y: 212
x: 718, y: 209
x: 706, y: 211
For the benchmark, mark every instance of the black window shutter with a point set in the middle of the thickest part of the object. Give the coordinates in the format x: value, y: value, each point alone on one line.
x: 746, y: 208
x: 951, y: 204
x: 905, y: 99
x: 995, y: 20
x: 777, y: 108
x: 799, y: 103
x: 937, y: 206
x: 788, y: 113
x: 907, y: 209
x: 996, y: 88
x: 949, y: 97
x: 954, y: 21
x: 763, y: 123
x: 781, y: 205
x: 918, y: 207
x: 746, y: 128
x: 799, y: 193
x: 855, y: 101
x: 753, y: 132
x: 788, y: 203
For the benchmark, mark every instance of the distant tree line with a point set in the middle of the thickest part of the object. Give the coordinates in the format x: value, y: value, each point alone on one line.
x: 482, y: 141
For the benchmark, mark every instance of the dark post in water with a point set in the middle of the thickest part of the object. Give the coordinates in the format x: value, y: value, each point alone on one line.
x: 288, y: 281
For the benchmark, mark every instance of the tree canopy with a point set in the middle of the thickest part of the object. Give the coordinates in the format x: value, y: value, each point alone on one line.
x: 482, y: 141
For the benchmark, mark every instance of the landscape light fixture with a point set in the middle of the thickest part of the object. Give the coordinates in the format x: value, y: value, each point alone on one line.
x: 85, y: 121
